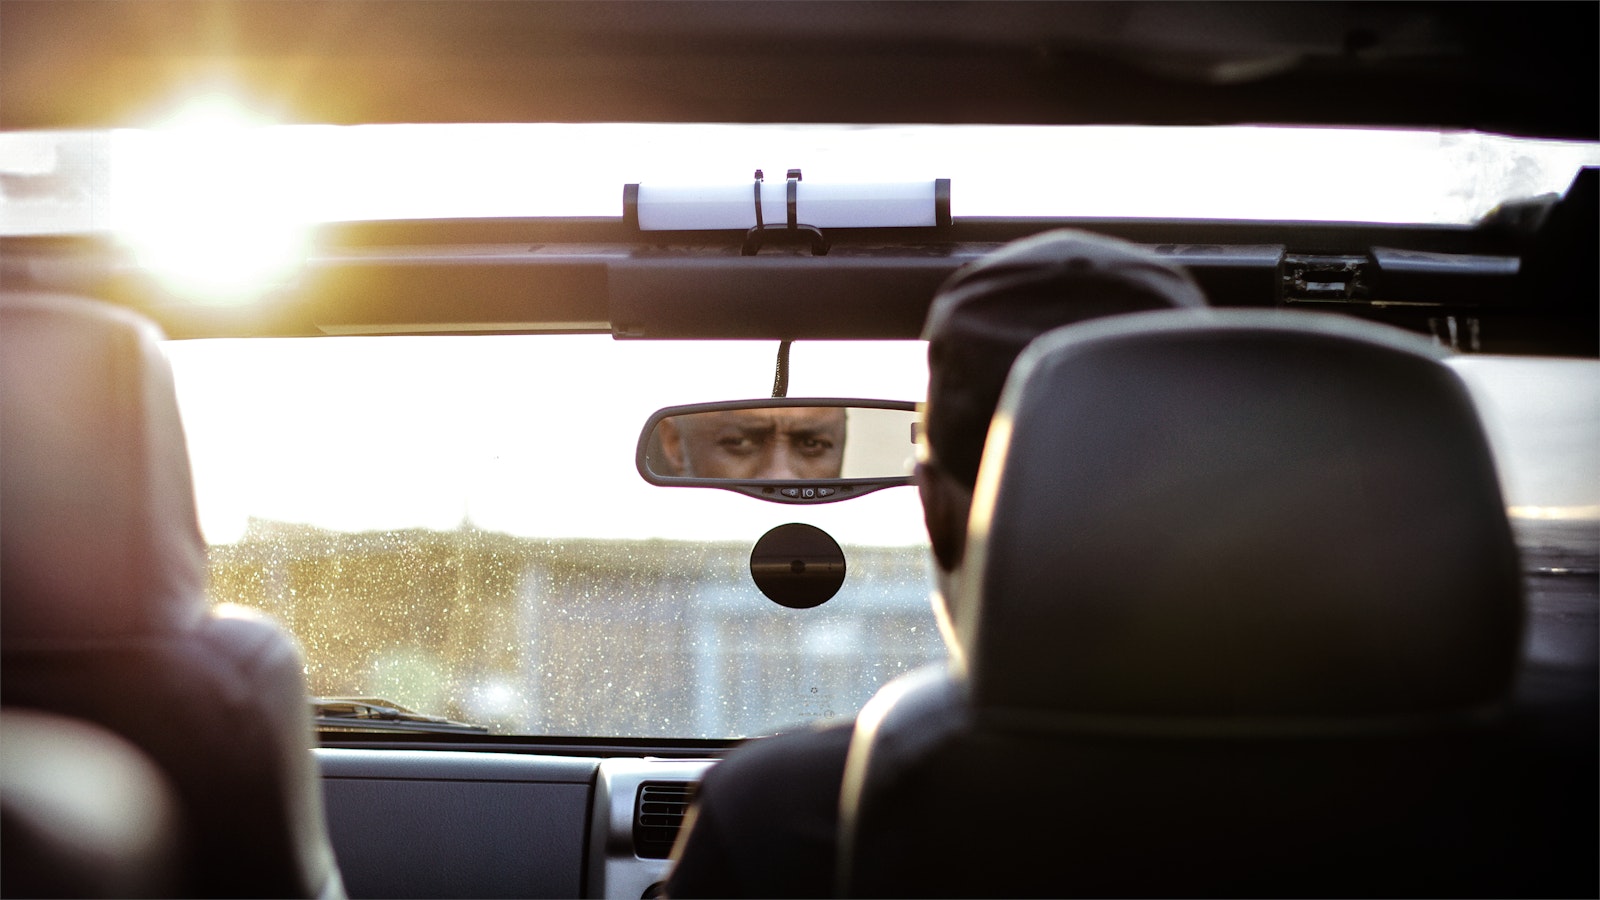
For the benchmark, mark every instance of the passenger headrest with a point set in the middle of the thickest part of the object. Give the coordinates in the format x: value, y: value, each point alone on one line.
x: 97, y: 513
x: 1239, y: 518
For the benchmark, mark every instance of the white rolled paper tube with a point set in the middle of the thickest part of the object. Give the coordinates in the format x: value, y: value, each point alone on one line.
x: 823, y: 205
x: 891, y: 205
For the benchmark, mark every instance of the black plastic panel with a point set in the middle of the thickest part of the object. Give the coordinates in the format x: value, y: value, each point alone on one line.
x: 775, y: 297
x: 431, y: 824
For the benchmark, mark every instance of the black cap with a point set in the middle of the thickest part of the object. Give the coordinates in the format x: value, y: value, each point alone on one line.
x: 985, y: 313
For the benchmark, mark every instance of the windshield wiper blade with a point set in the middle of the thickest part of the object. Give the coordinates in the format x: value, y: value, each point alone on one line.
x: 372, y: 714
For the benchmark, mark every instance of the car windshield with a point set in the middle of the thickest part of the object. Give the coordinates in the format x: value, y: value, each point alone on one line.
x: 455, y: 524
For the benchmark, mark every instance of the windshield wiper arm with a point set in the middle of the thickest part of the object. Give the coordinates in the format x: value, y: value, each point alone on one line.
x: 372, y: 714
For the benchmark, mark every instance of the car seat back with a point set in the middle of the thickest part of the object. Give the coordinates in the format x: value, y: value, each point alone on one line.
x: 1239, y: 616
x: 105, y: 617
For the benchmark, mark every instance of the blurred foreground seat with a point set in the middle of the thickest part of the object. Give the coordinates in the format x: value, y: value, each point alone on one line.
x: 82, y: 813
x: 105, y: 618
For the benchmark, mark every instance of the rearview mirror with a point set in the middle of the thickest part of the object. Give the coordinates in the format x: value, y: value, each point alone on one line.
x: 787, y: 450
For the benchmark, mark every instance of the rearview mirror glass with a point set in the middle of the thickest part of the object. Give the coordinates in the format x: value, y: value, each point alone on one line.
x: 787, y: 450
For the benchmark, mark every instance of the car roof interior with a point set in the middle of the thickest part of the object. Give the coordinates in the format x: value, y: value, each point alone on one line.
x: 76, y: 63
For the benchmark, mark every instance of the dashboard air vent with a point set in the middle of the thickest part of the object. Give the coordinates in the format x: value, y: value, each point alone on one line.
x: 658, y: 816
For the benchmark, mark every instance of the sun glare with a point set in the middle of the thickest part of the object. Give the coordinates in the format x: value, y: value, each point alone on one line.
x: 210, y: 201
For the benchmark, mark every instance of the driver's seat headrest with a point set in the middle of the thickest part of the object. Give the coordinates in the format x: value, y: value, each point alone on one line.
x: 1222, y: 519
x: 101, y: 536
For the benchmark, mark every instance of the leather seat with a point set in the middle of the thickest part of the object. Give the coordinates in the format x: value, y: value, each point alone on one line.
x: 1239, y: 616
x: 82, y: 812
x: 105, y: 617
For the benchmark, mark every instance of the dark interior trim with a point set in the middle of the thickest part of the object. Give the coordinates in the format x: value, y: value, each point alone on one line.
x: 1512, y: 68
x: 597, y: 275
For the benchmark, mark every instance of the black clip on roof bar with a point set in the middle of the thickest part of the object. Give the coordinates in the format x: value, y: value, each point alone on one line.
x: 792, y: 230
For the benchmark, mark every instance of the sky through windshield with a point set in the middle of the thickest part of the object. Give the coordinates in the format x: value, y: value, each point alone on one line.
x: 229, y: 169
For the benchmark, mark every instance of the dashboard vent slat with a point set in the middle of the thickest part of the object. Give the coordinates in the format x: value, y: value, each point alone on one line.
x: 658, y: 813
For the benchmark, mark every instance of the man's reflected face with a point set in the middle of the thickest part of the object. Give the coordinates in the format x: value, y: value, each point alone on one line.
x: 787, y: 443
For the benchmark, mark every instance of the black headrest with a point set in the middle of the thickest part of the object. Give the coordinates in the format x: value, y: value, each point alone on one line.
x: 1234, y: 517
x: 97, y: 514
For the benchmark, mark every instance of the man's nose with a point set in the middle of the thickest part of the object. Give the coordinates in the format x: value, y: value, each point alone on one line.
x: 782, y: 465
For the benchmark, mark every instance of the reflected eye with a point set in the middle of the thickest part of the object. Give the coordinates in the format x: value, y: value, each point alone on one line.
x: 813, y: 447
x: 737, y: 445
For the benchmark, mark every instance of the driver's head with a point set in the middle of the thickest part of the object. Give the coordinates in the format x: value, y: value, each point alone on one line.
x: 981, y: 319
x: 782, y: 442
